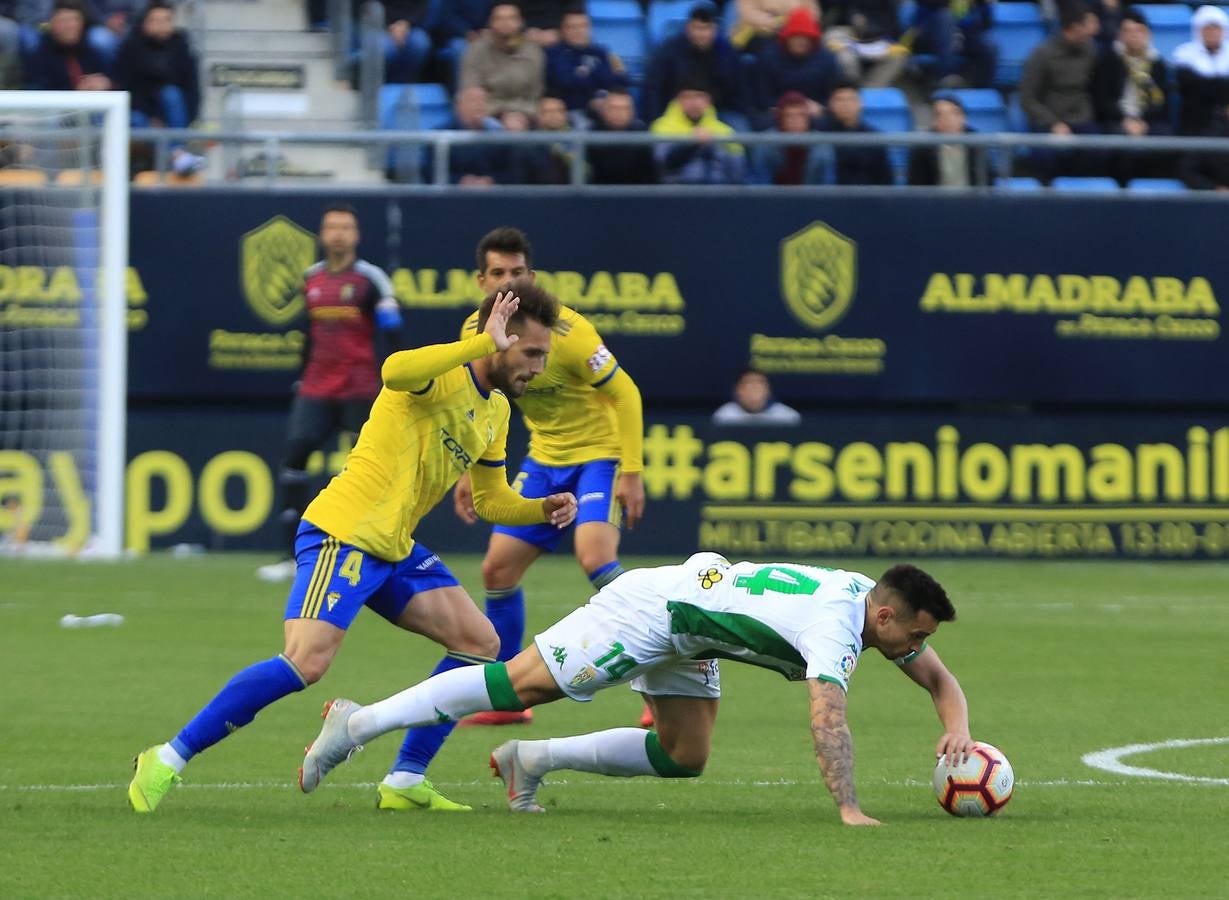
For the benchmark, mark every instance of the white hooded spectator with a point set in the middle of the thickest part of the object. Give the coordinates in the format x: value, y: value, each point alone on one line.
x: 1202, y: 69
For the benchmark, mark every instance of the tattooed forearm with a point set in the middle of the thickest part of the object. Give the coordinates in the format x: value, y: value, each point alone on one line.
x: 833, y: 742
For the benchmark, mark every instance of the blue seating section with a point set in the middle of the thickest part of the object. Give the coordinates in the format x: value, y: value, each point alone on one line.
x: 984, y: 109
x: 1017, y: 30
x: 1017, y: 184
x: 1085, y: 185
x: 1170, y: 23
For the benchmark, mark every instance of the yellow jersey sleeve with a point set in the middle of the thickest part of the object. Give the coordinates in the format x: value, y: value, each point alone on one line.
x: 414, y: 370
x: 629, y: 418
x: 470, y: 326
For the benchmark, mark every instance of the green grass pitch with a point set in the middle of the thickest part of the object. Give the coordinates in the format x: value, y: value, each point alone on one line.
x: 1058, y: 660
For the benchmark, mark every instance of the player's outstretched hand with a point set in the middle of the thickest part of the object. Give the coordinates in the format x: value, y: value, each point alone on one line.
x: 954, y: 749
x: 560, y: 509
x: 506, y: 305
x: 857, y: 817
x: 629, y: 491
x: 463, y: 500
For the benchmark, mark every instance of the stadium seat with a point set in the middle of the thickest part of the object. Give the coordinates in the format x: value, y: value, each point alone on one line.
x: 1170, y: 23
x: 78, y: 177
x: 886, y: 109
x: 619, y: 24
x: 1087, y: 185
x: 413, y: 107
x: 1156, y: 186
x: 984, y: 109
x: 666, y: 18
x: 151, y: 177
x: 1017, y: 30
x: 23, y: 177
x: 1017, y: 184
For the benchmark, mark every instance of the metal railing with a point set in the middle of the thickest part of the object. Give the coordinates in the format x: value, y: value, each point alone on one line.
x: 439, y: 144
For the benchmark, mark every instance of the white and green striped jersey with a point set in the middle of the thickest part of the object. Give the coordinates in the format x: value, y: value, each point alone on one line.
x: 801, y: 621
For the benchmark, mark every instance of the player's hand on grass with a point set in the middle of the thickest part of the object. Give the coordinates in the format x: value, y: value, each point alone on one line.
x: 506, y: 305
x: 560, y: 509
x: 463, y: 500
x: 629, y: 491
x: 854, y: 816
x: 954, y: 748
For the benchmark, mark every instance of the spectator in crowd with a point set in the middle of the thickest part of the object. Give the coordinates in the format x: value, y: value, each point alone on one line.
x: 700, y: 52
x: 796, y: 61
x: 542, y: 19
x: 544, y: 163
x: 791, y: 163
x: 10, y: 50
x: 756, y: 22
x: 865, y: 36
x: 853, y: 165
x: 507, y: 66
x: 1209, y: 171
x: 1130, y: 91
x: 620, y: 165
x: 947, y: 165
x: 106, y: 23
x: 1056, y: 89
x: 475, y: 165
x: 407, y: 44
x: 459, y: 24
x: 1201, y: 67
x: 158, y: 69
x: 704, y: 160
x: 63, y: 59
x: 956, y: 32
x: 577, y: 68
x: 753, y: 403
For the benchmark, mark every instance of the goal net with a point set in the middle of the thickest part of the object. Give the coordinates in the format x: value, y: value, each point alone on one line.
x: 63, y: 329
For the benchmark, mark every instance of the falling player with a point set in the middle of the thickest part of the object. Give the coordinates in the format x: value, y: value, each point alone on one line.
x: 442, y: 410
x: 663, y: 630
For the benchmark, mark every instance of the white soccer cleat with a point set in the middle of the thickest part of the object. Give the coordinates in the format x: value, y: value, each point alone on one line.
x: 332, y: 747
x: 522, y: 786
x: 278, y: 571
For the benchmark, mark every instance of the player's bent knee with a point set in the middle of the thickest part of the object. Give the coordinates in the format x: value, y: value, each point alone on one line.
x: 499, y: 573
x: 480, y: 641
x: 678, y: 759
x: 311, y: 666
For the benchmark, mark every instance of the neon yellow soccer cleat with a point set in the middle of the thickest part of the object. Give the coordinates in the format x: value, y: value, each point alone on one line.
x: 422, y: 796
x: 151, y: 782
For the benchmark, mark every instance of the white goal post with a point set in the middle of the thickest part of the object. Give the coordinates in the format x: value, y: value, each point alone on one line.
x: 63, y: 362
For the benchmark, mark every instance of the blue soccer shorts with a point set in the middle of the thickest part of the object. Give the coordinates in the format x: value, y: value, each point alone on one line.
x: 593, y: 483
x: 334, y: 580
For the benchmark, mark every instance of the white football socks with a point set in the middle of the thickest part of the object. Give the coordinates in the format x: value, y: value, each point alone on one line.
x: 451, y: 695
x: 167, y: 754
x: 617, y: 751
x: 403, y: 780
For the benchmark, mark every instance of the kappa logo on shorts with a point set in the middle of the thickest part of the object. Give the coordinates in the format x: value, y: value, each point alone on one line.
x: 427, y: 563
x: 709, y: 577
x: 560, y: 654
x: 591, y: 497
x: 332, y: 597
x: 588, y: 673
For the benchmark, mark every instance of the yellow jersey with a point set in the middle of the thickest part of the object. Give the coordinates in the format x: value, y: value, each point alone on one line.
x: 430, y: 423
x: 582, y: 407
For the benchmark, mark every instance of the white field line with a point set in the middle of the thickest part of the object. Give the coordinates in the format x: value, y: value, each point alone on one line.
x: 1111, y: 760
x: 286, y: 785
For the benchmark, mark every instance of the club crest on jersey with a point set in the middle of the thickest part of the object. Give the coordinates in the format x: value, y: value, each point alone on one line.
x: 710, y: 577
x: 272, y: 259
x: 588, y: 673
x: 819, y: 274
x: 347, y: 293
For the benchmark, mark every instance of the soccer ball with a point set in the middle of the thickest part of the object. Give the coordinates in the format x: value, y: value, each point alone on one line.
x: 979, y: 787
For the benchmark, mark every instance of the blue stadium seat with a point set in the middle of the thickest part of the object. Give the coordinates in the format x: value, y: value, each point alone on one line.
x: 619, y: 24
x: 412, y: 107
x: 1170, y: 23
x: 1072, y: 183
x: 666, y: 19
x: 1155, y: 186
x: 886, y: 109
x: 984, y: 109
x: 1017, y: 30
x: 1017, y: 184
